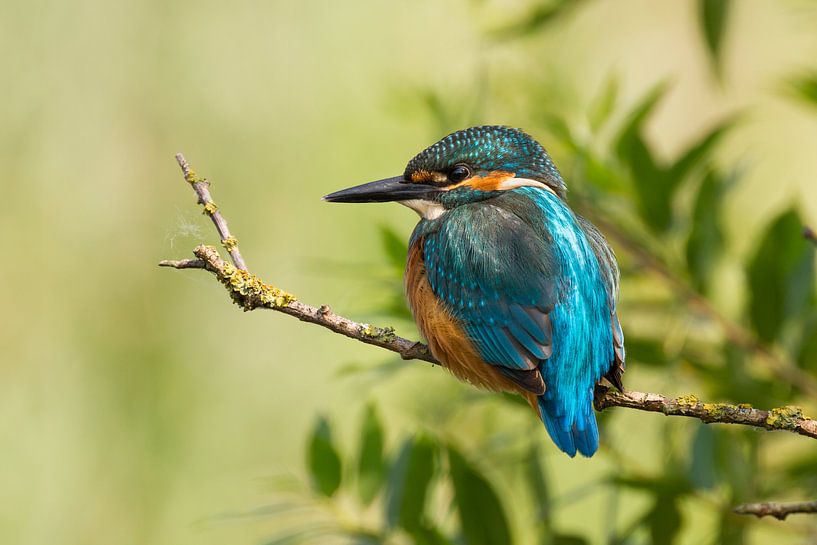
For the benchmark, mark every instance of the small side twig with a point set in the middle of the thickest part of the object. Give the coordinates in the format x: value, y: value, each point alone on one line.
x: 777, y: 510
x: 202, y: 188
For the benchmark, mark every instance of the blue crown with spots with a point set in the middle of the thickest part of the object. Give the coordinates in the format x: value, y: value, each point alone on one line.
x: 490, y: 148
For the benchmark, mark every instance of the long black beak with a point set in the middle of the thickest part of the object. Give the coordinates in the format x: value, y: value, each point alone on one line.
x: 390, y: 189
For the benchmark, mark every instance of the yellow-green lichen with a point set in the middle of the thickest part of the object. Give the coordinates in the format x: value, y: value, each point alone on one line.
x: 249, y: 291
x: 191, y: 176
x: 718, y: 411
x: 229, y: 243
x: 688, y: 400
x: 784, y: 418
x: 385, y: 334
x: 210, y: 208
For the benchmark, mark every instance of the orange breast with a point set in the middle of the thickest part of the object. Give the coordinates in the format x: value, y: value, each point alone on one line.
x: 446, y: 338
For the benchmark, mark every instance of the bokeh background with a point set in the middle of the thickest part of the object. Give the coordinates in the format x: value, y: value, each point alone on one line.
x: 137, y: 406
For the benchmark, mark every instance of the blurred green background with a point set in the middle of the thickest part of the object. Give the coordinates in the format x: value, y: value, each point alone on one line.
x: 138, y: 406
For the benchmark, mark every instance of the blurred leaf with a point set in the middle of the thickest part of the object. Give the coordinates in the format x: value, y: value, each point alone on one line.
x: 727, y: 377
x: 647, y: 351
x: 395, y: 247
x: 604, y: 104
x: 426, y: 535
x: 482, y: 516
x: 699, y: 152
x: 781, y: 276
x: 800, y: 472
x: 541, y: 16
x: 732, y: 529
x: 371, y: 466
x: 668, y: 484
x: 409, y: 483
x: 805, y: 88
x: 652, y: 183
x: 713, y: 16
x: 323, y: 459
x: 807, y: 349
x: 538, y: 484
x: 639, y: 114
x: 702, y: 472
x: 664, y: 519
x: 563, y: 539
x: 706, y: 241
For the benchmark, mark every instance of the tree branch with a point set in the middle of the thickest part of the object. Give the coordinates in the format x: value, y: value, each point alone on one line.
x: 250, y: 292
x: 202, y: 188
x: 774, y: 509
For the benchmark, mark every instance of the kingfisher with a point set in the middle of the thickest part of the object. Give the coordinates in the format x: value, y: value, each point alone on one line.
x: 512, y: 290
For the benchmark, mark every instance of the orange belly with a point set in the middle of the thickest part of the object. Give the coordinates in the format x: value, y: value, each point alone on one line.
x: 446, y: 338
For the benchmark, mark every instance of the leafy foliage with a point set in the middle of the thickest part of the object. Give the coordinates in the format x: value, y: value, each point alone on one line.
x: 713, y: 16
x: 324, y: 461
x: 781, y: 277
x: 665, y: 217
x: 805, y: 88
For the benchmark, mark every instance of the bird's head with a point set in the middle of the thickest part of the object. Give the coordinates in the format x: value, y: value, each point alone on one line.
x: 466, y: 166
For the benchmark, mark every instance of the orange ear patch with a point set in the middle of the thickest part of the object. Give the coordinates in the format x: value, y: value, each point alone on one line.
x: 490, y: 182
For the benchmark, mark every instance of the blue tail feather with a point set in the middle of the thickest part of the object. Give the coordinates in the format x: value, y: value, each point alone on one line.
x: 581, y: 433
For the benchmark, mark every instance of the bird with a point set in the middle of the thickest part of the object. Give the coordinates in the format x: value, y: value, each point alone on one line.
x: 511, y: 289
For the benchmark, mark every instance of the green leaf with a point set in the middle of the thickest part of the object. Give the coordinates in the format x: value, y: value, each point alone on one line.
x: 538, y: 485
x: 540, y: 17
x: 664, y: 520
x: 807, y: 348
x: 481, y: 513
x: 639, y: 115
x: 395, y: 247
x: 781, y: 276
x: 604, y: 104
x: 427, y: 535
x: 713, y: 16
x: 409, y: 483
x: 699, y: 152
x: 652, y: 183
x: 646, y: 351
x: 702, y: 470
x: 323, y: 459
x: 706, y: 241
x: 564, y: 539
x: 371, y: 469
x: 805, y: 88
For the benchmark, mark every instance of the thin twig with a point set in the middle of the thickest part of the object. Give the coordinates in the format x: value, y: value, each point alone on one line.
x: 777, y: 510
x: 183, y: 263
x: 202, y: 188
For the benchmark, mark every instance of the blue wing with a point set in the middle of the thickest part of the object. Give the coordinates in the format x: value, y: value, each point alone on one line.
x: 498, y: 276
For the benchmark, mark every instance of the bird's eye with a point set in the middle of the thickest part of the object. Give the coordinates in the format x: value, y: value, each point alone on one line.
x: 459, y: 173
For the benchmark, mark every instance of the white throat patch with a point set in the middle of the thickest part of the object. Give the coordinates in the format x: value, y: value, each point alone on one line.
x: 429, y: 210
